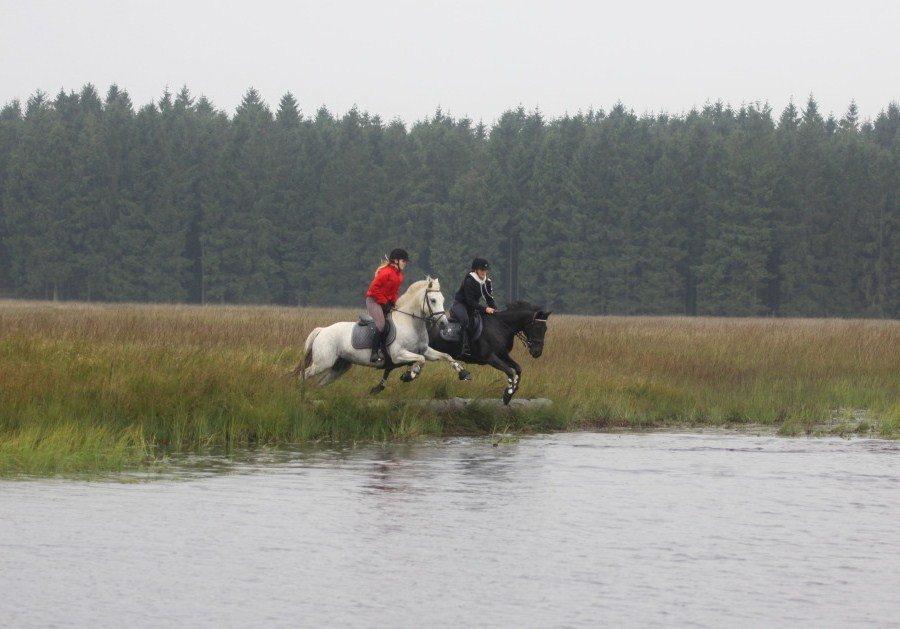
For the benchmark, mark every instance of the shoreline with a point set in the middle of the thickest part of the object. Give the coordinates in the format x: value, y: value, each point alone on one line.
x: 175, y: 464
x: 149, y: 457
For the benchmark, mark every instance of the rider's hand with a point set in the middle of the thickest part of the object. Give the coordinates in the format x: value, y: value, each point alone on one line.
x: 490, y: 310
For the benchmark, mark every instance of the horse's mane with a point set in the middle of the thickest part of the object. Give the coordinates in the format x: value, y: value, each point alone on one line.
x: 521, y: 304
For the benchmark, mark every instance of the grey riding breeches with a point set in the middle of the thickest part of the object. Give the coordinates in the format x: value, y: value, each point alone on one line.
x: 460, y: 313
x: 376, y: 311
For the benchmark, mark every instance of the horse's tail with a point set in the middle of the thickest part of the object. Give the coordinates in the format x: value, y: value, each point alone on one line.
x: 300, y: 369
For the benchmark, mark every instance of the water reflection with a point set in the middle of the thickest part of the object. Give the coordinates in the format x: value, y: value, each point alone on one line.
x: 390, y: 468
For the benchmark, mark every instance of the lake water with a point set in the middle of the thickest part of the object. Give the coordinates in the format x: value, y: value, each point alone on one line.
x: 560, y: 530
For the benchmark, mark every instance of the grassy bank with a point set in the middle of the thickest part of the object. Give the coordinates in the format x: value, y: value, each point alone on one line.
x: 91, y: 387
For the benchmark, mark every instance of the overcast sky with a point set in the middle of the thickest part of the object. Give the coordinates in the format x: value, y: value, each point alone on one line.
x: 475, y: 59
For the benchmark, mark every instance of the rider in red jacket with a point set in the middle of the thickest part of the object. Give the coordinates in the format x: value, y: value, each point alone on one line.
x: 382, y: 295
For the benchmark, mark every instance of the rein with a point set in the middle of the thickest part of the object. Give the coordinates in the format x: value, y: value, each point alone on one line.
x: 524, y: 338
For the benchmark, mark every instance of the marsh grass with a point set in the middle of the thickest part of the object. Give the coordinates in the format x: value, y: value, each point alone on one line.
x: 99, y: 387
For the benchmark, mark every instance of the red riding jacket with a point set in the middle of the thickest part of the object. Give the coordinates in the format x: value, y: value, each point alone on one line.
x: 385, y: 286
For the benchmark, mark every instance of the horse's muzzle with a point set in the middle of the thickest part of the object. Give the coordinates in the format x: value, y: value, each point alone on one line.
x: 535, y: 350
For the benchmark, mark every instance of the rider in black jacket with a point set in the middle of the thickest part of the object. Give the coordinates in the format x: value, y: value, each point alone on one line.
x: 467, y: 300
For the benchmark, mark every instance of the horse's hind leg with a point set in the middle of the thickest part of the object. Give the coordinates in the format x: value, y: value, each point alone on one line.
x: 338, y: 369
x: 314, y: 370
x: 321, y: 366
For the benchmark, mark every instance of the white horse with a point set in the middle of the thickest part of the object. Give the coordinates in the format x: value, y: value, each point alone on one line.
x: 329, y: 351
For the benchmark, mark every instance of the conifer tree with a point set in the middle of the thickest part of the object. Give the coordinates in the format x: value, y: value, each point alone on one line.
x: 717, y: 211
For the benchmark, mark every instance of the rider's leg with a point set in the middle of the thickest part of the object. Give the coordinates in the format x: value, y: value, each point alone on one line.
x: 386, y: 310
x: 460, y: 313
x: 377, y: 313
x: 472, y: 319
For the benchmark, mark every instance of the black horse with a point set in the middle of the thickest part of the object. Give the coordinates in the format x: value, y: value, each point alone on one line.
x: 520, y: 319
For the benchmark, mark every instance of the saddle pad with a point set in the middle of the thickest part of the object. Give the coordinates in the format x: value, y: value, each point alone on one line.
x: 364, y: 332
x: 451, y: 331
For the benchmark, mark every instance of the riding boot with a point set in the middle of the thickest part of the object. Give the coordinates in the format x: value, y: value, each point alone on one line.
x: 377, y: 338
x: 383, y: 344
x: 468, y: 335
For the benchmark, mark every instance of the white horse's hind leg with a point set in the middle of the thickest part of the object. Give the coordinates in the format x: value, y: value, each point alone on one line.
x: 314, y: 370
x: 339, y: 368
x: 318, y: 365
x: 309, y: 366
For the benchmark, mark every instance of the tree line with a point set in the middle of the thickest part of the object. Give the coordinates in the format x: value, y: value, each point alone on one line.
x: 718, y: 211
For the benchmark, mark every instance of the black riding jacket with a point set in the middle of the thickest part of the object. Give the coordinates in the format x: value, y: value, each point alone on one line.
x: 470, y: 293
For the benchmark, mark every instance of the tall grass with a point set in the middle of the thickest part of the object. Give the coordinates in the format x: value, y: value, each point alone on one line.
x: 93, y: 387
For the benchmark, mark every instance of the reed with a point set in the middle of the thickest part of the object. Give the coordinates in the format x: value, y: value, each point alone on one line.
x: 94, y: 387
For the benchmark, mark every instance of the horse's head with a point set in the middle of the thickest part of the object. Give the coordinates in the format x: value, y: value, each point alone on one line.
x: 532, y: 324
x: 434, y: 298
x: 424, y: 298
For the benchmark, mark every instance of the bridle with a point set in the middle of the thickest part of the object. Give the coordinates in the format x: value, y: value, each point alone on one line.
x: 522, y: 336
x: 426, y: 304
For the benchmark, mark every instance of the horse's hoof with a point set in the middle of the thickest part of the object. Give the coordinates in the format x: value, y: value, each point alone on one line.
x: 407, y: 377
x: 507, y: 396
x: 376, y: 389
x: 465, y: 375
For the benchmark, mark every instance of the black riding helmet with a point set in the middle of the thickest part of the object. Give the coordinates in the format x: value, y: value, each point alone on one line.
x: 399, y: 254
x: 479, y: 264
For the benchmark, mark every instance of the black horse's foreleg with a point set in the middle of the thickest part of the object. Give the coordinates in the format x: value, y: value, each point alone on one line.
x: 509, y: 361
x: 518, y: 369
x: 378, y: 388
x: 512, y: 377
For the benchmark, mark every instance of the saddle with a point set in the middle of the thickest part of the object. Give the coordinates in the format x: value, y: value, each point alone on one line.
x: 363, y: 334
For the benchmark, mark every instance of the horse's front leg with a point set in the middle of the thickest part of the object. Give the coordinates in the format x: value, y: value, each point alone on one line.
x: 511, y: 376
x: 406, y: 356
x: 518, y: 369
x: 378, y: 388
x: 433, y: 354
